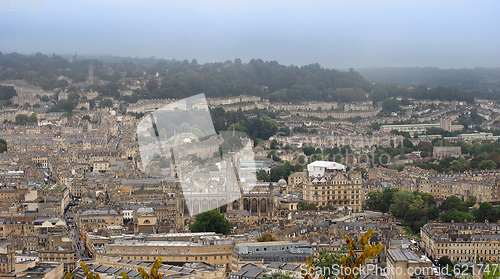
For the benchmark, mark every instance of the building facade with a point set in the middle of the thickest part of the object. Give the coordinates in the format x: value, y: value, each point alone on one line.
x: 462, y: 242
x: 328, y: 183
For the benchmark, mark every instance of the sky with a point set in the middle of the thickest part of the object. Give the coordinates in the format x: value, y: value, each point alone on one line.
x: 335, y: 34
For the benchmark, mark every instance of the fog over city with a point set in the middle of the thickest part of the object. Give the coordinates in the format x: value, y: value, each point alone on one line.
x: 335, y: 34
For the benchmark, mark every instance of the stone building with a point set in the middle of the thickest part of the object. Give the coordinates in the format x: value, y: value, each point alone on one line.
x: 328, y: 183
x: 440, y: 152
x: 270, y: 252
x: 462, y: 242
x: 7, y: 260
x: 187, y: 247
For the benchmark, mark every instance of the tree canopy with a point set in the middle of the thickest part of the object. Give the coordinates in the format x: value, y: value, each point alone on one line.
x: 415, y: 208
x: 211, y: 221
x: 180, y: 79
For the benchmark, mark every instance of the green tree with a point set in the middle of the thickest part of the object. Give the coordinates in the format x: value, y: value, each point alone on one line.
x: 485, y: 212
x: 456, y: 216
x: 3, y: 146
x: 390, y: 105
x: 408, y: 144
x: 236, y: 127
x: 444, y: 261
x: 274, y: 144
x: 413, y: 218
x: 211, y: 221
x: 307, y: 206
x: 63, y: 106
x: 471, y: 201
x: 7, y: 92
x: 282, y: 171
x: 453, y: 202
x: 266, y: 237
x: 491, y: 271
x: 284, y: 131
x: 326, y: 259
x: 21, y: 119
x: 487, y: 165
x: 374, y: 200
x: 280, y: 274
x: 262, y: 175
x: 33, y: 119
x: 402, y: 201
x: 106, y: 103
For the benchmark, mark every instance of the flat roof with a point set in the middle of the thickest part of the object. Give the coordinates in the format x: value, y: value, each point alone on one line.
x: 404, y: 125
x: 403, y: 255
x: 153, y: 243
x: 273, y: 243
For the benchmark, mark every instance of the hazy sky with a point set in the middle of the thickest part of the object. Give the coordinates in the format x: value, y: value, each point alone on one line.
x: 336, y: 34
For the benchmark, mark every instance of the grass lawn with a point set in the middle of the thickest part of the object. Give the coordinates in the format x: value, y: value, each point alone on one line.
x: 409, y: 232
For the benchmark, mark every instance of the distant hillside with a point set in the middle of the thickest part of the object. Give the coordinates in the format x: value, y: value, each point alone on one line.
x: 161, y: 78
x: 486, y: 80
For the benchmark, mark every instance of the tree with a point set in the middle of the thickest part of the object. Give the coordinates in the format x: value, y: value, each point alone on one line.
x: 3, y: 146
x: 7, y: 92
x: 453, y: 202
x: 491, y: 271
x: 487, y: 165
x: 274, y: 144
x: 280, y: 275
x: 266, y: 237
x: 32, y: 119
x: 407, y: 143
x: 236, y: 127
x: 444, y: 261
x: 471, y: 201
x: 21, y: 119
x: 106, y: 103
x: 325, y: 260
x: 284, y: 131
x: 402, y: 203
x: 390, y: 105
x: 374, y: 200
x: 485, y: 212
x: 63, y: 106
x: 262, y: 175
x: 152, y: 85
x: 456, y: 216
x: 211, y: 221
x: 413, y: 217
x: 307, y: 206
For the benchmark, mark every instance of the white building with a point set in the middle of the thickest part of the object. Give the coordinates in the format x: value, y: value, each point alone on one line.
x: 318, y: 168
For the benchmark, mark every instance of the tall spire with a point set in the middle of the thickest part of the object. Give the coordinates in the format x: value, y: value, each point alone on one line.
x: 91, y: 73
